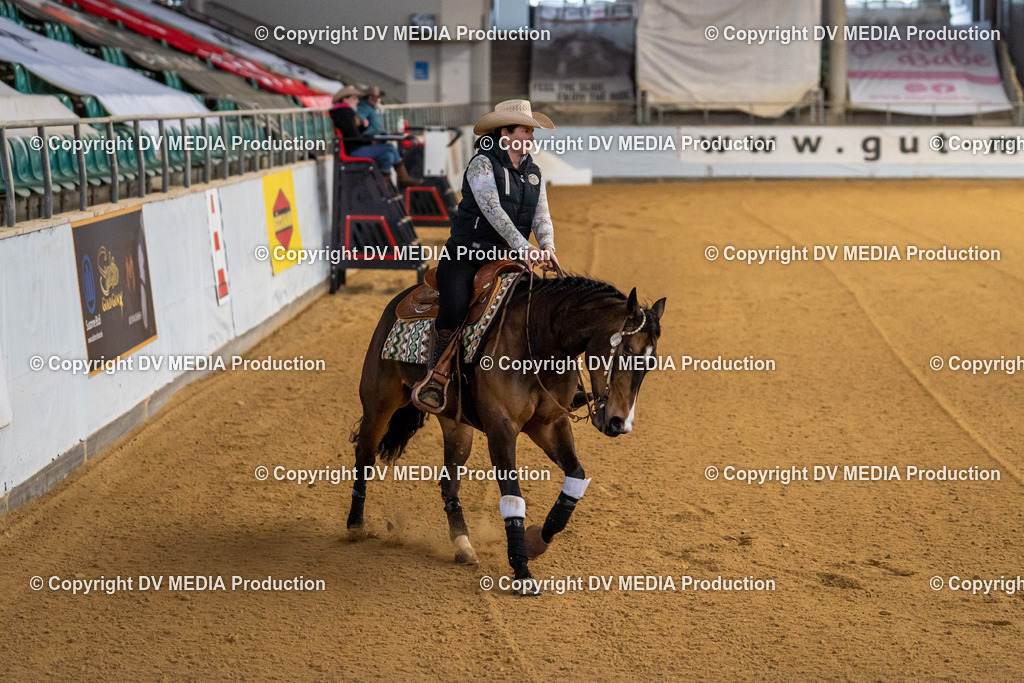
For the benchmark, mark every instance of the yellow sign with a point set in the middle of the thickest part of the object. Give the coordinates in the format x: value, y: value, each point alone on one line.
x: 282, y: 220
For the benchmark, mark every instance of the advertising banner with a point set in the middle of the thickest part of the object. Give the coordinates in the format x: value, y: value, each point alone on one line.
x: 851, y: 151
x: 283, y: 235
x: 589, y: 57
x: 926, y: 77
x: 114, y: 285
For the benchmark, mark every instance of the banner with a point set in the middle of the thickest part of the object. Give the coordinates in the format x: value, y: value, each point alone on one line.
x: 16, y: 106
x: 114, y: 285
x: 136, y: 21
x: 926, y: 77
x: 121, y: 91
x: 589, y: 57
x: 851, y: 151
x: 678, y: 64
x: 237, y: 46
x: 220, y: 262
x: 6, y: 414
x: 282, y: 221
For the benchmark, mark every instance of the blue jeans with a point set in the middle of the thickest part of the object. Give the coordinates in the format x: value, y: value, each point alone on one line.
x: 384, y: 154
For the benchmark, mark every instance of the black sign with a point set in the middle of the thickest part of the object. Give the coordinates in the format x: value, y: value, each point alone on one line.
x: 114, y: 285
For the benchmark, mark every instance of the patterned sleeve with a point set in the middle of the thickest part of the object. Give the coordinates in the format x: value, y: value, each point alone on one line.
x: 480, y: 175
x: 542, y: 227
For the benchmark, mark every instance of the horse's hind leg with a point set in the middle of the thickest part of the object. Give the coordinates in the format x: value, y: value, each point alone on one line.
x: 381, y: 395
x: 458, y: 440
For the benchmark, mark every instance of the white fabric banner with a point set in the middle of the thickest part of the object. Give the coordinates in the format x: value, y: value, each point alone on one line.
x: 677, y: 63
x: 229, y: 42
x: 121, y: 91
x: 792, y: 151
x: 17, y: 106
x: 933, y: 77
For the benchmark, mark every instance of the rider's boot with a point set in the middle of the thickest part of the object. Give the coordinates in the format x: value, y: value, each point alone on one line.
x: 429, y: 393
x: 404, y: 179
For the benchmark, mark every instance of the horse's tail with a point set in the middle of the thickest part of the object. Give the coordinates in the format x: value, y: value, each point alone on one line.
x: 405, y: 422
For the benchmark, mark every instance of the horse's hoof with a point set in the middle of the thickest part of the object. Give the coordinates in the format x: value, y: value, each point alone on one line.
x: 356, y: 532
x: 526, y: 587
x: 535, y: 545
x: 464, y: 553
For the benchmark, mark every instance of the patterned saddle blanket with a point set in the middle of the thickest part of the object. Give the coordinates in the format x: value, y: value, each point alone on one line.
x: 407, y: 341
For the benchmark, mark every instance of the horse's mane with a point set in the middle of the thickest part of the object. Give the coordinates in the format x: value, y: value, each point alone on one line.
x: 554, y: 294
x: 574, y: 286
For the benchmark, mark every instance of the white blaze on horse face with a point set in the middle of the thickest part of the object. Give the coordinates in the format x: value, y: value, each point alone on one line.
x: 628, y: 426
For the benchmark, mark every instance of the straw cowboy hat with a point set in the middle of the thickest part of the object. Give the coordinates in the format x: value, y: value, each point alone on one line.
x: 512, y: 113
x: 347, y: 91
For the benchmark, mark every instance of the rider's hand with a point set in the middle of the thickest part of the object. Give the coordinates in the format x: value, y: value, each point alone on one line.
x: 534, y: 257
x: 550, y: 261
x: 545, y: 258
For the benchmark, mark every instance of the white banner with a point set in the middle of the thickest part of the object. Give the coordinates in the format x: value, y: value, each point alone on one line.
x: 925, y: 77
x: 239, y: 47
x: 789, y: 151
x: 16, y: 106
x: 851, y: 152
x: 686, y: 56
x: 589, y: 57
x: 121, y: 91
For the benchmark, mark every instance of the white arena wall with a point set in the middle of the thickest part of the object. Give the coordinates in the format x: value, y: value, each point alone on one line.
x: 798, y: 151
x: 60, y: 419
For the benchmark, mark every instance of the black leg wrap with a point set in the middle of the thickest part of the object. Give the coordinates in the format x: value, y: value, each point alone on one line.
x: 517, y: 558
x: 559, y: 516
x: 456, y: 522
x: 355, y: 514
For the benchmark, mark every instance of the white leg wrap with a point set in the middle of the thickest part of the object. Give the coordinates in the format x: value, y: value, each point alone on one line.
x: 512, y: 506
x: 574, y: 488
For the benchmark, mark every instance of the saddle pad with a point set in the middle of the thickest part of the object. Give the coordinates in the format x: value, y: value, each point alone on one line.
x: 407, y: 341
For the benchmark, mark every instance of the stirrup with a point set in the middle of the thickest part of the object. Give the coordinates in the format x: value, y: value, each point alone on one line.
x: 432, y: 385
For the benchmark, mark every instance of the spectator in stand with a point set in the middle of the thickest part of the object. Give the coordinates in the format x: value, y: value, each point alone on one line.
x: 369, y: 110
x: 356, y: 144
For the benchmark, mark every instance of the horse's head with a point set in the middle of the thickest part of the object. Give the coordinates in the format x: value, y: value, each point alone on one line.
x: 623, y: 349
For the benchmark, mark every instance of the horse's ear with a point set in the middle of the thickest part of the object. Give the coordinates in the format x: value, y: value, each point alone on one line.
x: 632, y: 305
x: 658, y: 309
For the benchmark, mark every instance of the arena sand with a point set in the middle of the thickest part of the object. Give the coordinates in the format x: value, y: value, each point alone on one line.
x: 851, y: 560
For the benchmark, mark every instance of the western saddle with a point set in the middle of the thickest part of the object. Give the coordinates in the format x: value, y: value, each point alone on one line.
x: 422, y: 302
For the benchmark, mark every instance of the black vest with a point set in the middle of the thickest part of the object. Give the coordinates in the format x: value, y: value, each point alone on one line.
x: 518, y: 190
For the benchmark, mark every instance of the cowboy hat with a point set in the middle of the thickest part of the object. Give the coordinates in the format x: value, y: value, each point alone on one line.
x: 347, y: 91
x: 372, y: 90
x: 511, y: 113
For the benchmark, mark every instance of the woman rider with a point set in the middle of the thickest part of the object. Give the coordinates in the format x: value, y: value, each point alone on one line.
x: 503, y: 201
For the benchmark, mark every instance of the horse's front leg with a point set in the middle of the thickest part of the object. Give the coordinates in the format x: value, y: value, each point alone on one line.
x: 555, y: 439
x: 501, y: 442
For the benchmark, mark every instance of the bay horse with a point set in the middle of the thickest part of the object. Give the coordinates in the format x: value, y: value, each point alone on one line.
x: 543, y: 318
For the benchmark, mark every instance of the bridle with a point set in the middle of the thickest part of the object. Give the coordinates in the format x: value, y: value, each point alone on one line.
x: 598, y: 402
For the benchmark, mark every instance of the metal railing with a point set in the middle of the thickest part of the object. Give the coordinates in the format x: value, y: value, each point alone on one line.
x: 419, y: 115
x: 279, y: 137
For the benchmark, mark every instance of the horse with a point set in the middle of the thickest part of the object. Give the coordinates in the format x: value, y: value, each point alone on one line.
x: 553, y: 319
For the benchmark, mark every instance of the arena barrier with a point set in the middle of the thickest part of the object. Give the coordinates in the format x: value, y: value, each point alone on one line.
x: 789, y: 151
x: 205, y: 290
